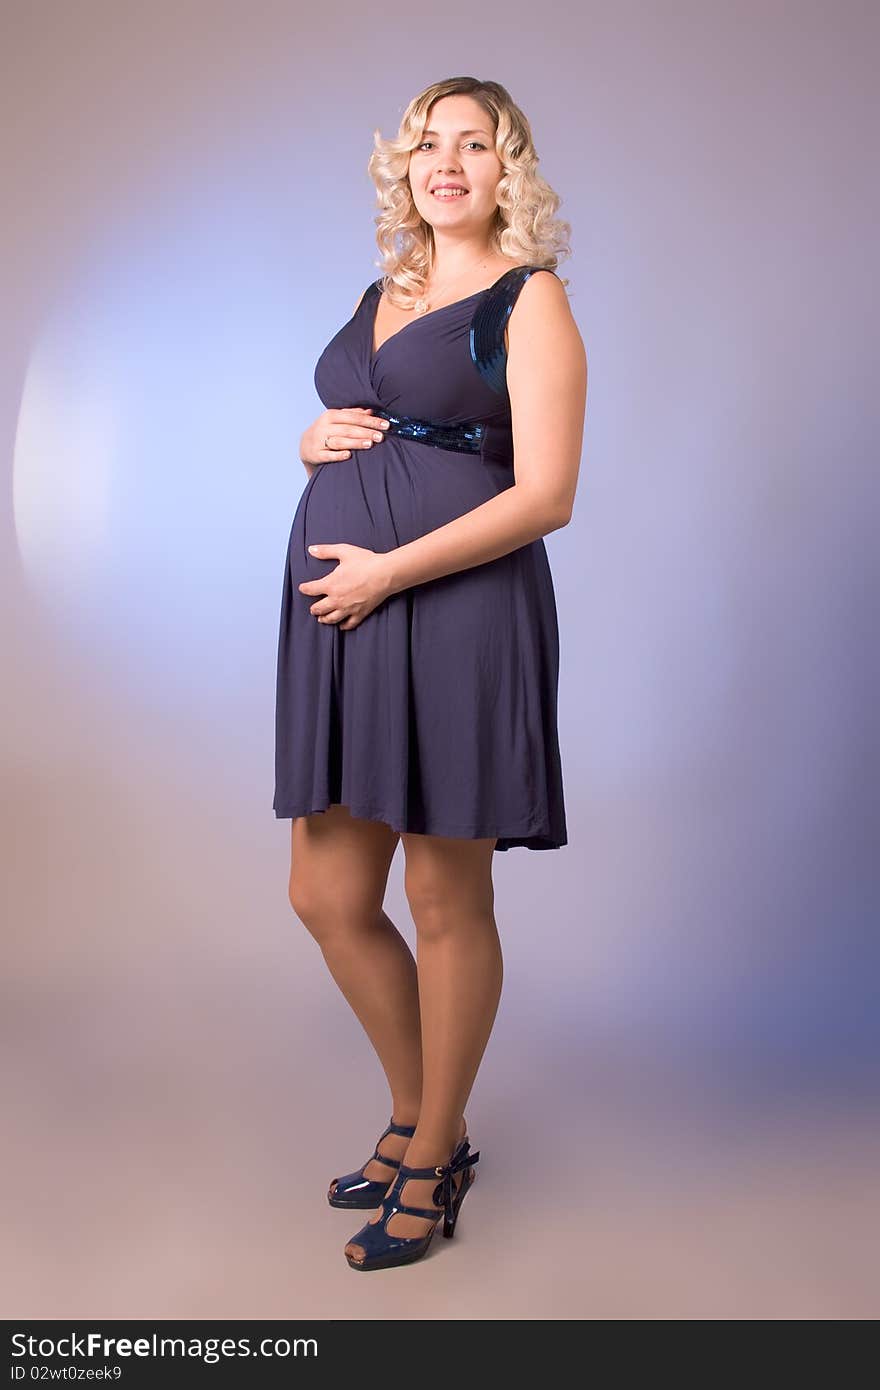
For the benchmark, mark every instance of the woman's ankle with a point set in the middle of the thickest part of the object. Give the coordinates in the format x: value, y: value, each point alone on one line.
x: 435, y: 1145
x: 405, y: 1115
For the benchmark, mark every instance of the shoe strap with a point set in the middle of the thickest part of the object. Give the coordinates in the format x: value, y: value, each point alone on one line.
x: 445, y: 1172
x: 460, y: 1159
x: 431, y: 1214
x: 392, y: 1203
x: 405, y: 1131
x: 389, y: 1162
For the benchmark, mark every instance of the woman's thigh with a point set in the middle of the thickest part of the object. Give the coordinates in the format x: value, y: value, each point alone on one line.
x: 339, y: 866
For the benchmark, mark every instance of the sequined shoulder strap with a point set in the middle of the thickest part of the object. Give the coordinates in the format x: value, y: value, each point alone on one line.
x: 490, y: 320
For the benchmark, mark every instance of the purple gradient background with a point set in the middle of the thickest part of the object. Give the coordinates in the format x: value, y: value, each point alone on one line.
x: 678, y: 1109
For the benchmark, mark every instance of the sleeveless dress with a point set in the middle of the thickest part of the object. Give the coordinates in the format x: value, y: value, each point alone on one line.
x: 437, y: 713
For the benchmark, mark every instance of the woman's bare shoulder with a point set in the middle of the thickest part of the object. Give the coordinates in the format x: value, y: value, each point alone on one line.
x: 541, y: 311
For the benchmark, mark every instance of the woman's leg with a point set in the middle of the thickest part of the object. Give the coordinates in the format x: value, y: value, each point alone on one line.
x: 338, y: 876
x: 451, y: 897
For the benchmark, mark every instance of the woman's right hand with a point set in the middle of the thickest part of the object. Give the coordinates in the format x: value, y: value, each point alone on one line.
x: 336, y: 432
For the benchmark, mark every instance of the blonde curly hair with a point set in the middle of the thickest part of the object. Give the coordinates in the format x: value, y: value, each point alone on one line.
x: 524, y: 228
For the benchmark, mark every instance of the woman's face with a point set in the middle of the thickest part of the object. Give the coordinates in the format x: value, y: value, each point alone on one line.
x: 457, y: 147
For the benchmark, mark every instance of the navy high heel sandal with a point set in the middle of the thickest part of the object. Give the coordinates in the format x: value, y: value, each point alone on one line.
x: 381, y: 1250
x: 354, y: 1191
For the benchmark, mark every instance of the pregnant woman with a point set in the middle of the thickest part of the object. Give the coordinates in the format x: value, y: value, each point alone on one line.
x: 418, y: 650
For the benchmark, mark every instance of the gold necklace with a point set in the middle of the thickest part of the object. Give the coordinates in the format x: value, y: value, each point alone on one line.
x: 422, y: 304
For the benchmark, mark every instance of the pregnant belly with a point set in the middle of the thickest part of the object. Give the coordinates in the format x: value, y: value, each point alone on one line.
x: 384, y: 497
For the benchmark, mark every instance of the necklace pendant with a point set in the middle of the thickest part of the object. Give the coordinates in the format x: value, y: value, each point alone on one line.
x: 420, y: 306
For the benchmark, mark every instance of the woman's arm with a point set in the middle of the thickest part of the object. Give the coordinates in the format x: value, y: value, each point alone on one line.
x: 547, y: 383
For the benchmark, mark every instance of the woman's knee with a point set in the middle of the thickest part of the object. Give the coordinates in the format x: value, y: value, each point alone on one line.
x: 338, y: 871
x: 307, y: 899
x: 327, y: 908
x: 441, y: 905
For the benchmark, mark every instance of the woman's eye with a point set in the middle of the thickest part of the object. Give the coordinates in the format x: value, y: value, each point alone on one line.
x: 478, y: 144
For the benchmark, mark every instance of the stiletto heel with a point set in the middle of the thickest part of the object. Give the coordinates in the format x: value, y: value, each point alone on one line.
x: 353, y: 1191
x: 382, y: 1250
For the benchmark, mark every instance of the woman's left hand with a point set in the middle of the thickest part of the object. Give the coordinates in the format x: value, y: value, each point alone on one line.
x: 358, y: 584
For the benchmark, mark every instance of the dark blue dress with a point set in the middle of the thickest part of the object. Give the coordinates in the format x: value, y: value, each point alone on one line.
x: 437, y: 713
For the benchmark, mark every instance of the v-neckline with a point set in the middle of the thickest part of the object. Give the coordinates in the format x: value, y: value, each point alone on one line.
x: 375, y: 351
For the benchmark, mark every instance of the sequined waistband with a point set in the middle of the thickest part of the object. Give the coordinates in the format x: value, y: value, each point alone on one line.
x: 470, y: 438
x: 466, y: 439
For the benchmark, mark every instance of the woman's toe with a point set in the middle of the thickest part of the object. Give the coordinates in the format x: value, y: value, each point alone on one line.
x: 355, y: 1252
